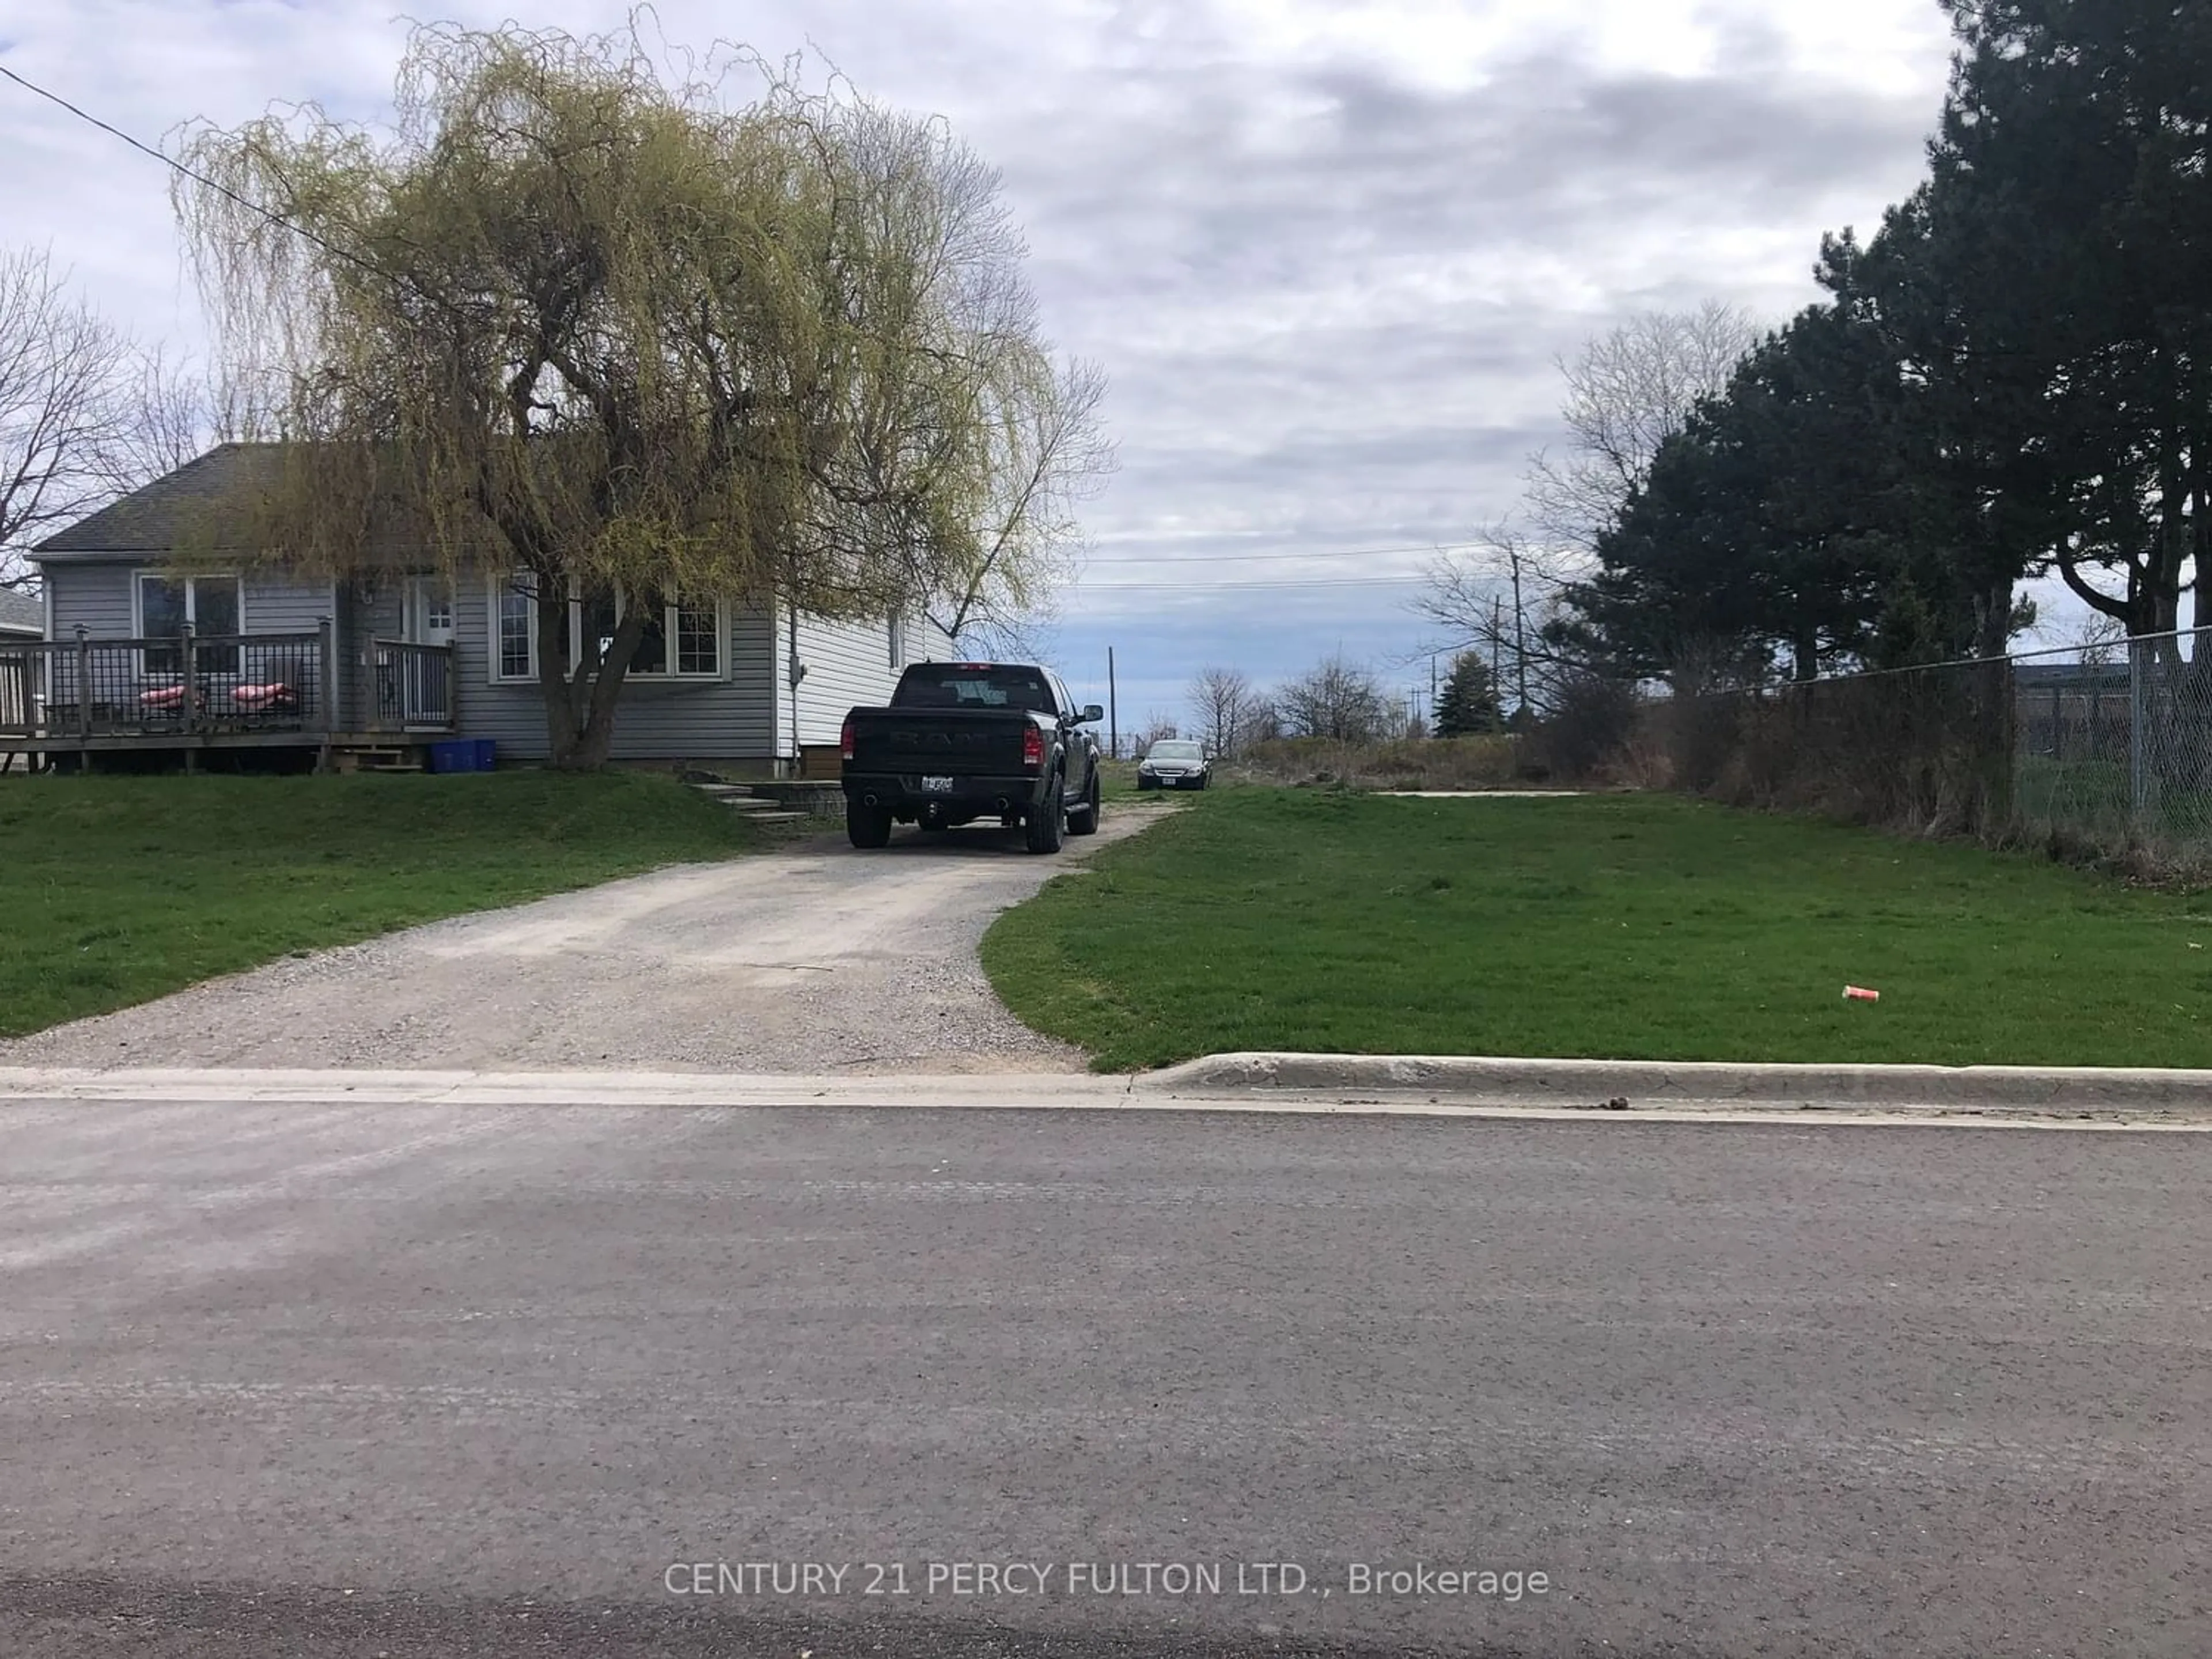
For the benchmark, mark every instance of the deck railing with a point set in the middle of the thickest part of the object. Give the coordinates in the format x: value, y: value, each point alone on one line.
x: 185, y: 684
x: 414, y: 686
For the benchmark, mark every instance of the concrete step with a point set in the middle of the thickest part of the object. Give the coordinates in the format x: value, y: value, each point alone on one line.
x: 791, y: 797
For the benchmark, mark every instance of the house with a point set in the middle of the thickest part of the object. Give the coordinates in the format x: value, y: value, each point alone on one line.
x: 398, y: 657
x: 22, y: 616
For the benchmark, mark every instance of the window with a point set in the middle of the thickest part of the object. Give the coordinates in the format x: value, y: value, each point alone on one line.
x: 698, y: 640
x: 601, y: 616
x: 651, y: 656
x: 696, y: 631
x: 517, y: 631
x: 212, y: 604
x: 971, y: 685
x: 898, y: 633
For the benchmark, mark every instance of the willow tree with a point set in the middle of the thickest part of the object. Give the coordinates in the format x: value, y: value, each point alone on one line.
x: 571, y: 317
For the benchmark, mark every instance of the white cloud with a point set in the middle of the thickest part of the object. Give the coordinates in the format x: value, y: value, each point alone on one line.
x: 1327, y: 252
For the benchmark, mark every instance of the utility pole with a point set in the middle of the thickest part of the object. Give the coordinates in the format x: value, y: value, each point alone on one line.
x: 1113, y: 710
x: 1497, y: 654
x: 1520, y: 643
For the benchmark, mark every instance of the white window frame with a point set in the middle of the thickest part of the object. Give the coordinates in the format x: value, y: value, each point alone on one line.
x: 895, y: 631
x: 499, y: 587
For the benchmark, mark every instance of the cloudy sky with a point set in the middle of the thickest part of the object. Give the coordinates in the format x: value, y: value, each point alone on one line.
x: 1327, y: 252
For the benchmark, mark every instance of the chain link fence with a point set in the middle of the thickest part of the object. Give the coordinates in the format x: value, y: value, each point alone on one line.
x: 2103, y: 751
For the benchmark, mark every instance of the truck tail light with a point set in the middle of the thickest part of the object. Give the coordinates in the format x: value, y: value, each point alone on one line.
x: 1032, y: 748
x: 845, y: 740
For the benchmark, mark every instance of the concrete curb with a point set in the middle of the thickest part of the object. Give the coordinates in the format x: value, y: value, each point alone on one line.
x: 1255, y: 1084
x: 1587, y: 1083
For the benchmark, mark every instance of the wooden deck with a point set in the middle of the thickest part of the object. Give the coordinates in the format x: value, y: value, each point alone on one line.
x: 191, y: 694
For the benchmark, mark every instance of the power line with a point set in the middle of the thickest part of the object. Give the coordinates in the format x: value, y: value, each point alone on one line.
x: 1249, y: 587
x: 224, y: 190
x: 1324, y: 553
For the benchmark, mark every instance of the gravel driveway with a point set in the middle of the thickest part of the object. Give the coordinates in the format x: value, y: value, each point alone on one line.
x: 813, y: 958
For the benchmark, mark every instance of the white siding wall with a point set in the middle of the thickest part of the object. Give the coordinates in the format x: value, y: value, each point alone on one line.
x: 848, y: 665
x: 927, y: 643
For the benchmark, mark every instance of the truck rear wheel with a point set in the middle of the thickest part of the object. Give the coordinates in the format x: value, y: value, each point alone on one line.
x: 867, y: 826
x: 1084, y: 820
x: 1048, y: 820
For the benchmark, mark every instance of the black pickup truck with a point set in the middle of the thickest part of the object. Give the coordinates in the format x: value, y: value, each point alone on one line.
x: 961, y: 741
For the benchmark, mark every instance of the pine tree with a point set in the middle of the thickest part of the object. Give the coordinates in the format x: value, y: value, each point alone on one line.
x: 1469, y: 702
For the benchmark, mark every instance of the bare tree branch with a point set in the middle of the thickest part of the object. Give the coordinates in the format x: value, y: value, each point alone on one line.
x: 1627, y: 392
x: 1497, y: 598
x: 1223, y: 700
x: 1049, y: 451
x: 170, y: 413
x: 62, y: 409
x: 1336, y: 699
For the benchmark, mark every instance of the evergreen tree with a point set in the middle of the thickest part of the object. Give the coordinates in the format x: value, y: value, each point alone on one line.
x: 1467, y: 704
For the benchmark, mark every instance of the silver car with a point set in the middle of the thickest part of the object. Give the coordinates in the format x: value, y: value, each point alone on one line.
x: 1174, y: 763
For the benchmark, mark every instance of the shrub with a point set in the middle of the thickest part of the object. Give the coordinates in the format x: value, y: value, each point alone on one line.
x: 1588, y: 728
x: 1483, y: 763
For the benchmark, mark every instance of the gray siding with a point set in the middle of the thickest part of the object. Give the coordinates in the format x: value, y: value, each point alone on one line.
x: 100, y: 597
x: 726, y: 718
x: 367, y: 612
x: 744, y: 715
x: 96, y: 597
x: 289, y: 605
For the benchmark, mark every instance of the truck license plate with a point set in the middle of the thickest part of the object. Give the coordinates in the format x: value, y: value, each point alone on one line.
x: 937, y: 786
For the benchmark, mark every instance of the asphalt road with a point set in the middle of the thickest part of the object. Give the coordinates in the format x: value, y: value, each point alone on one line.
x: 411, y: 1381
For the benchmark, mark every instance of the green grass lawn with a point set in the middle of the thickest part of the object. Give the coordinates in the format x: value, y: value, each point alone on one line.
x: 118, y: 889
x: 1606, y: 926
x: 1117, y: 781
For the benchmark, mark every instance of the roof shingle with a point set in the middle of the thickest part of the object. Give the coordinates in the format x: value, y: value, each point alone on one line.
x: 158, y: 518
